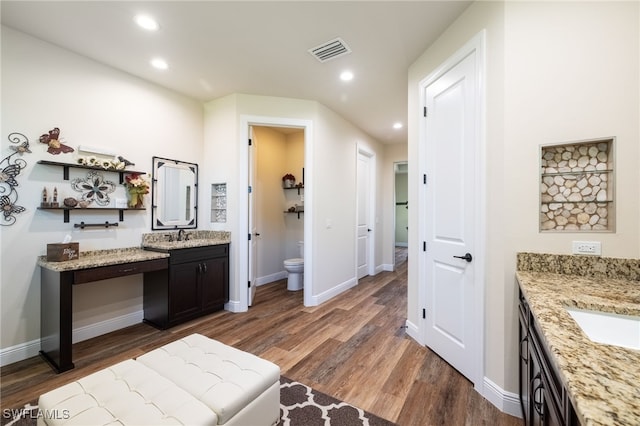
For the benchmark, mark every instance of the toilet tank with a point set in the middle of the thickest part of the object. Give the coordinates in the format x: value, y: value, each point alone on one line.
x: 301, y: 248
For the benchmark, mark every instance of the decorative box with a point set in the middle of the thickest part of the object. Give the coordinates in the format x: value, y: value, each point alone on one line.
x: 62, y: 252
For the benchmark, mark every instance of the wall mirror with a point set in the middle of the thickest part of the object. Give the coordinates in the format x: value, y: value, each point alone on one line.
x: 174, y: 194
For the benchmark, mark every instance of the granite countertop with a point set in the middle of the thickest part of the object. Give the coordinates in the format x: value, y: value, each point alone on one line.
x: 96, y: 258
x: 603, y: 381
x: 160, y: 240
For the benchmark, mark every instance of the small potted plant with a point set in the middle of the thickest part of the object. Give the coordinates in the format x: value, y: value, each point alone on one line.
x: 288, y: 181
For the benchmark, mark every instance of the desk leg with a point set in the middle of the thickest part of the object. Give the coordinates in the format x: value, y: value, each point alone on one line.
x: 55, y: 318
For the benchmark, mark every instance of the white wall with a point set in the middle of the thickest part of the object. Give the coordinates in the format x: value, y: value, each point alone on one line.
x: 45, y: 87
x: 556, y: 72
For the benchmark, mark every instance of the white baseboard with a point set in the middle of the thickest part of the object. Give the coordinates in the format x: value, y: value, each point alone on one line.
x: 271, y: 278
x: 32, y: 348
x: 507, y: 402
x: 107, y: 326
x: 412, y: 331
x: 233, y: 306
x: 333, y: 292
x: 387, y: 267
x: 19, y: 352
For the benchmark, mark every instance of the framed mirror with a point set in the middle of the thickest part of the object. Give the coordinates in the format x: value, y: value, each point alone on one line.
x: 174, y: 194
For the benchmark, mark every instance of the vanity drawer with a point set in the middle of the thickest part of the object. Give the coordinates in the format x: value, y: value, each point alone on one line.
x: 112, y: 271
x: 197, y: 254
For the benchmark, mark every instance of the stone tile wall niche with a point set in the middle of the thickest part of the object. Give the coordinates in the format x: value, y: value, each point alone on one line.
x: 576, y: 187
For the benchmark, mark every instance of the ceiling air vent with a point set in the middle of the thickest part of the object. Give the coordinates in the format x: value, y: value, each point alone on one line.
x: 330, y: 50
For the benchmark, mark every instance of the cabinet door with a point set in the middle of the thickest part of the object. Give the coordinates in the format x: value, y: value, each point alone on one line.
x: 215, y: 282
x: 184, y: 297
x: 524, y: 371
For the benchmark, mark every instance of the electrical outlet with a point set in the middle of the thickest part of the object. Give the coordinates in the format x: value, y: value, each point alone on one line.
x: 587, y: 247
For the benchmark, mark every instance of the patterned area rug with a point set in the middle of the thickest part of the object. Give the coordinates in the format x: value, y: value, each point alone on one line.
x: 300, y: 405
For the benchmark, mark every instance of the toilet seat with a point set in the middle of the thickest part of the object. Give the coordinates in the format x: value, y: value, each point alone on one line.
x: 296, y: 261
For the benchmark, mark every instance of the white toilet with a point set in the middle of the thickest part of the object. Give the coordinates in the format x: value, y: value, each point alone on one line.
x: 295, y: 268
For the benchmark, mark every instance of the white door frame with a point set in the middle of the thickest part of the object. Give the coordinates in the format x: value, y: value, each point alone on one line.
x: 477, y: 45
x: 361, y: 150
x: 243, y: 201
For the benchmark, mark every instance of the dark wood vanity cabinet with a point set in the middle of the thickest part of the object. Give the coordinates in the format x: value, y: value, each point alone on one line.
x: 197, y: 284
x: 543, y: 398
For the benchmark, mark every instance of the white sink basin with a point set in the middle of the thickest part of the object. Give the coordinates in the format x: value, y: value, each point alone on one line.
x: 608, y: 328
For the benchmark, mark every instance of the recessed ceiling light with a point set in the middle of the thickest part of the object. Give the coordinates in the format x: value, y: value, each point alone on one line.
x: 397, y: 125
x: 346, y: 76
x: 146, y: 22
x: 159, y: 63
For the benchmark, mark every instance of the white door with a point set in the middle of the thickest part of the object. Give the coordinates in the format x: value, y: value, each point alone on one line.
x: 253, y: 233
x: 364, y: 227
x: 451, y: 323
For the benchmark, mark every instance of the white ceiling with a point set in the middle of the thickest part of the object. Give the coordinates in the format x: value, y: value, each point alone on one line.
x: 215, y: 48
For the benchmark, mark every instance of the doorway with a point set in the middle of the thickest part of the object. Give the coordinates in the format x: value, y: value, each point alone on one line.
x: 400, y: 212
x: 244, y: 190
x: 276, y: 204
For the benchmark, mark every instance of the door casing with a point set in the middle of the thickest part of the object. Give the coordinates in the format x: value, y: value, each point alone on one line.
x: 246, y: 121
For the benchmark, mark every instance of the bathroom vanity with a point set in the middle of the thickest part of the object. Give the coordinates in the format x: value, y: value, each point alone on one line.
x: 197, y: 279
x: 182, y: 281
x: 566, y: 378
x: 198, y: 284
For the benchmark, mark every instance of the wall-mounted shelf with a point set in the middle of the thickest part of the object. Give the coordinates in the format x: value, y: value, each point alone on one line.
x: 66, y: 210
x: 65, y: 176
x: 219, y: 202
x: 67, y: 166
x: 296, y: 212
x: 296, y: 187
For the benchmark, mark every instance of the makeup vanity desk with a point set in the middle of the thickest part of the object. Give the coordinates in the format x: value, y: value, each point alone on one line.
x: 58, y: 279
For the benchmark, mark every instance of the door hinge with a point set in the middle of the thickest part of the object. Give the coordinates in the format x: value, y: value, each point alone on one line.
x: 249, y: 236
x: 424, y: 178
x: 424, y: 313
x: 250, y: 189
x: 249, y: 286
x: 425, y: 111
x: 249, y: 141
x: 424, y: 246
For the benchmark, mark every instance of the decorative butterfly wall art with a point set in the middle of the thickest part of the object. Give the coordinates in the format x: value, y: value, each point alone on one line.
x: 10, y: 168
x: 55, y: 146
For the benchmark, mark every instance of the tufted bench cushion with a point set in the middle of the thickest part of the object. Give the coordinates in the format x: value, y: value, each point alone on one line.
x: 194, y: 380
x: 128, y: 393
x: 223, y: 378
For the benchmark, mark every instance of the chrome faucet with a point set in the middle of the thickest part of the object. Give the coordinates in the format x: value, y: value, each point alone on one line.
x: 181, y: 235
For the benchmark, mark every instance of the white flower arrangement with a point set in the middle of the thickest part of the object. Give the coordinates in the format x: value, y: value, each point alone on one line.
x: 104, y: 164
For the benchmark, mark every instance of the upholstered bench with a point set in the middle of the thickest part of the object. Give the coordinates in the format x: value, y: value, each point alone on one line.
x: 194, y: 380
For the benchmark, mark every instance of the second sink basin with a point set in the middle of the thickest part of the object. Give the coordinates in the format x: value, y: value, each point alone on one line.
x: 608, y: 328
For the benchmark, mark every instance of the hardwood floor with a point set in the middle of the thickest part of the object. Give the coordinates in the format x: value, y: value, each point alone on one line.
x: 353, y: 347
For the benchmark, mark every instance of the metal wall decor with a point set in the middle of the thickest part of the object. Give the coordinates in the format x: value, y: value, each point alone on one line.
x: 94, y: 188
x: 11, y: 168
x: 52, y: 139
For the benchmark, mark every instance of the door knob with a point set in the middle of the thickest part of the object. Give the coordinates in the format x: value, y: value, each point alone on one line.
x: 466, y: 257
